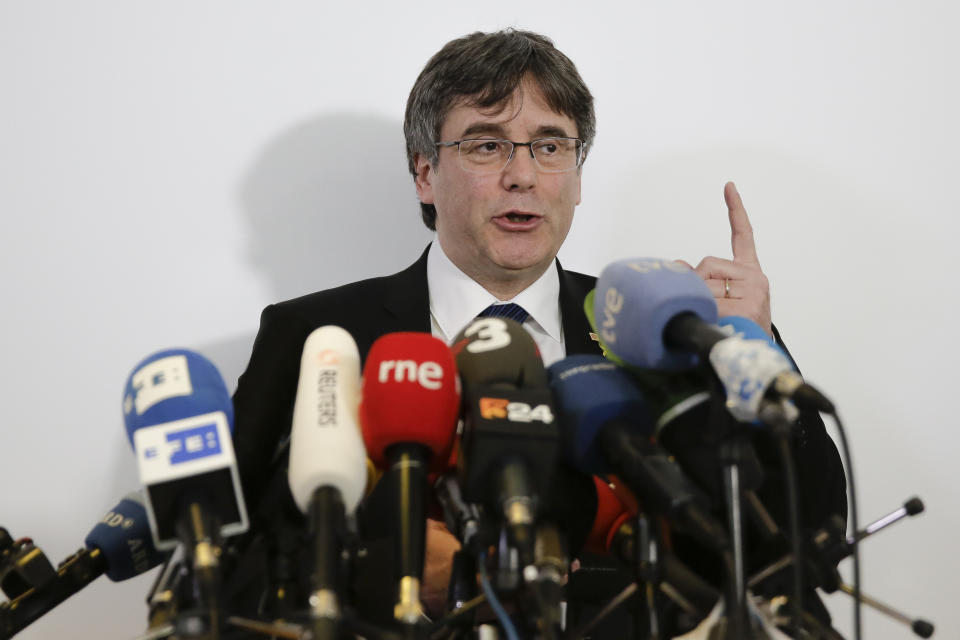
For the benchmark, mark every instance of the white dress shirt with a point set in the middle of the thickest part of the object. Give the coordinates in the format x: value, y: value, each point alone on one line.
x: 456, y: 299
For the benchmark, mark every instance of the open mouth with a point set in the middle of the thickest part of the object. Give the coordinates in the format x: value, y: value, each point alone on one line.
x: 518, y: 217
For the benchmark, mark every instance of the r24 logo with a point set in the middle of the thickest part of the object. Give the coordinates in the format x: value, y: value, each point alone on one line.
x: 522, y: 412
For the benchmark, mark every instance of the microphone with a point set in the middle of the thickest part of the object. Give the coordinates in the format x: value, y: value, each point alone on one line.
x: 612, y: 514
x: 623, y: 534
x: 119, y: 546
x: 498, y: 352
x: 510, y: 446
x: 22, y: 565
x: 328, y: 467
x: 659, y: 314
x: 179, y: 417
x: 408, y: 417
x: 461, y: 517
x: 463, y: 521
x: 123, y: 540
x: 788, y: 383
x: 606, y: 427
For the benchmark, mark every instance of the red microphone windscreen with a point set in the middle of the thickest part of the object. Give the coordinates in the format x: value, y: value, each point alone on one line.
x: 612, y: 512
x: 411, y: 394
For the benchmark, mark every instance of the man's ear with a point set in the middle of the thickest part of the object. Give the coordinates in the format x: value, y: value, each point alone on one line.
x: 423, y: 178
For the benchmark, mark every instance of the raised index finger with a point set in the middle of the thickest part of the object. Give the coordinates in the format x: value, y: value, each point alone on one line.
x: 741, y: 233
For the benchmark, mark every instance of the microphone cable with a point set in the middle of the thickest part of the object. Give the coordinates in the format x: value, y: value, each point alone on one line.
x: 782, y: 436
x: 845, y: 450
x: 793, y: 523
x: 498, y: 609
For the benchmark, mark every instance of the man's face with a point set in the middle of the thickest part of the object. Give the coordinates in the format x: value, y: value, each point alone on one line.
x: 508, y: 225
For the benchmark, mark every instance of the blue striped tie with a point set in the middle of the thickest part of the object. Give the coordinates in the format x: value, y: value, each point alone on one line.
x: 509, y: 310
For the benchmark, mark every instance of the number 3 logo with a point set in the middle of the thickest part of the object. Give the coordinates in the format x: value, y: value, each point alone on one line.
x: 491, y: 334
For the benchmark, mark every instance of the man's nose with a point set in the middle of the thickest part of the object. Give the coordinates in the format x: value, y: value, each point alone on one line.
x: 521, y: 171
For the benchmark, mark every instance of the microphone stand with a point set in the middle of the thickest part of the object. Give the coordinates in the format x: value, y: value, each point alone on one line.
x: 169, y: 592
x: 830, y: 545
x: 160, y: 598
x: 740, y: 470
x: 676, y: 581
x: 462, y: 589
x: 546, y: 579
x: 648, y: 574
x: 23, y: 565
x: 75, y: 573
x: 919, y: 626
x: 731, y: 453
x: 508, y: 577
x: 199, y: 528
x: 326, y: 522
x: 463, y: 520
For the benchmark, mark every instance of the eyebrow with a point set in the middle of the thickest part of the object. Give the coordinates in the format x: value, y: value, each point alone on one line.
x: 494, y: 129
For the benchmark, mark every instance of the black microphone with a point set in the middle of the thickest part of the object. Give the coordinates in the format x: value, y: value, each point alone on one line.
x: 119, y: 546
x: 510, y: 444
x: 606, y: 427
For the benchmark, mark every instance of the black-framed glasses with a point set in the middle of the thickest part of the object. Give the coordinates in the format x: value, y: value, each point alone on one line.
x: 491, y: 155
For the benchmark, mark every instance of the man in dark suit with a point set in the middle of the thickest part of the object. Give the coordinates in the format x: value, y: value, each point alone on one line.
x: 498, y: 127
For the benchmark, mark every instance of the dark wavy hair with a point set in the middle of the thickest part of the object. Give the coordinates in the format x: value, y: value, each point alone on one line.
x: 484, y: 70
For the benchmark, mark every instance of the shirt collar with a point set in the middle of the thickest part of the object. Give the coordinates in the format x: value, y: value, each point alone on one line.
x: 456, y: 299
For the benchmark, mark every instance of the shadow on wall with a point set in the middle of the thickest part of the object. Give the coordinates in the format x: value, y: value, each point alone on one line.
x: 327, y: 201
x: 330, y: 201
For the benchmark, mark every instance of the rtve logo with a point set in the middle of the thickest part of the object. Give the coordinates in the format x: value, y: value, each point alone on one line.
x: 612, y: 305
x: 650, y: 265
x: 428, y: 375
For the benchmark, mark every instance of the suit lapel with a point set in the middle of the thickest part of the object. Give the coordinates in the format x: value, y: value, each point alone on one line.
x: 407, y: 299
x: 407, y: 305
x: 576, y: 330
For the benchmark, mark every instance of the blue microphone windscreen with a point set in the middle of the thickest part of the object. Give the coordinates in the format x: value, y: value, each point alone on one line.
x: 750, y: 330
x: 123, y: 536
x: 636, y: 298
x: 747, y: 329
x: 590, y: 392
x: 171, y: 385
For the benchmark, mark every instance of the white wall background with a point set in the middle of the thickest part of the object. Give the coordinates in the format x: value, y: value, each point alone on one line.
x: 169, y: 168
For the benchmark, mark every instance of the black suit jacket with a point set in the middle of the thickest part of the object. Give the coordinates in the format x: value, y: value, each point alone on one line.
x: 263, y: 402
x: 368, y: 309
x: 263, y: 406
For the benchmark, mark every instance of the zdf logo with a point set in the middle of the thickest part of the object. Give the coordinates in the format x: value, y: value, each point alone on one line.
x: 114, y: 520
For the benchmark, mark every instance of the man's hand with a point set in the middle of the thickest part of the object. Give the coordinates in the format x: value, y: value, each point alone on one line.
x: 437, y: 563
x: 739, y: 285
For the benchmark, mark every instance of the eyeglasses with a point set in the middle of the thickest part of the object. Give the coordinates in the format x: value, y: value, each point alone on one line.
x: 490, y: 155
